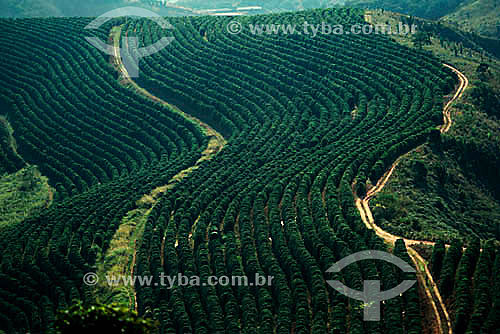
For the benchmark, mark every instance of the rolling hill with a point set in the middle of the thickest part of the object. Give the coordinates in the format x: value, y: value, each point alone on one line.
x: 480, y: 16
x: 305, y: 120
x: 235, y: 154
x: 428, y: 9
x: 43, y: 8
x: 477, y: 16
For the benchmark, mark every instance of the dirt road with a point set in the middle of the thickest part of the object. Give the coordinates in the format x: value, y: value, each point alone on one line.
x: 362, y: 204
x: 216, y: 141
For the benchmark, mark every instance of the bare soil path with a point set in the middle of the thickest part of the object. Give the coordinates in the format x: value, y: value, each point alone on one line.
x: 216, y: 143
x: 362, y: 204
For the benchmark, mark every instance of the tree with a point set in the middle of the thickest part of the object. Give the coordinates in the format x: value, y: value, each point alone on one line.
x: 110, y: 319
x: 438, y: 254
x: 421, y: 38
x: 450, y: 264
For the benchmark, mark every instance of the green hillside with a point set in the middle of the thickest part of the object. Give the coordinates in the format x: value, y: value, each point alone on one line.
x: 445, y: 189
x: 432, y: 9
x: 307, y: 121
x: 70, y: 8
x: 479, y: 16
x: 473, y: 306
x: 23, y: 194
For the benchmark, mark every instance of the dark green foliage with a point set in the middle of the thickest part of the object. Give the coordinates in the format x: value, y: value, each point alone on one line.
x: 459, y: 197
x: 412, y: 317
x: 473, y: 299
x: 10, y: 162
x: 452, y: 38
x: 450, y: 265
x: 482, y: 296
x: 486, y: 98
x: 492, y: 322
x: 477, y: 157
x: 112, y: 319
x: 421, y: 38
x: 464, y: 301
x: 438, y: 254
x: 90, y: 131
x: 276, y: 201
x: 432, y: 9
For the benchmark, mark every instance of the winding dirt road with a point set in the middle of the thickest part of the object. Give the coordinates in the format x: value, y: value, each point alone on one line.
x: 117, y: 59
x: 424, y: 275
x: 216, y: 141
x: 464, y: 82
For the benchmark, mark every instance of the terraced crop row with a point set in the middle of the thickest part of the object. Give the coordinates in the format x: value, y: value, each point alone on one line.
x: 73, y: 118
x: 10, y: 161
x: 465, y: 279
x: 308, y: 120
x: 102, y: 146
x: 291, y: 214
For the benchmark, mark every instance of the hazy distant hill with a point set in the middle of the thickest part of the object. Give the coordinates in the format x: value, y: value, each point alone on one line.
x: 423, y: 8
x: 269, y: 5
x: 87, y: 8
x: 20, y: 8
x: 481, y: 16
x: 17, y: 8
